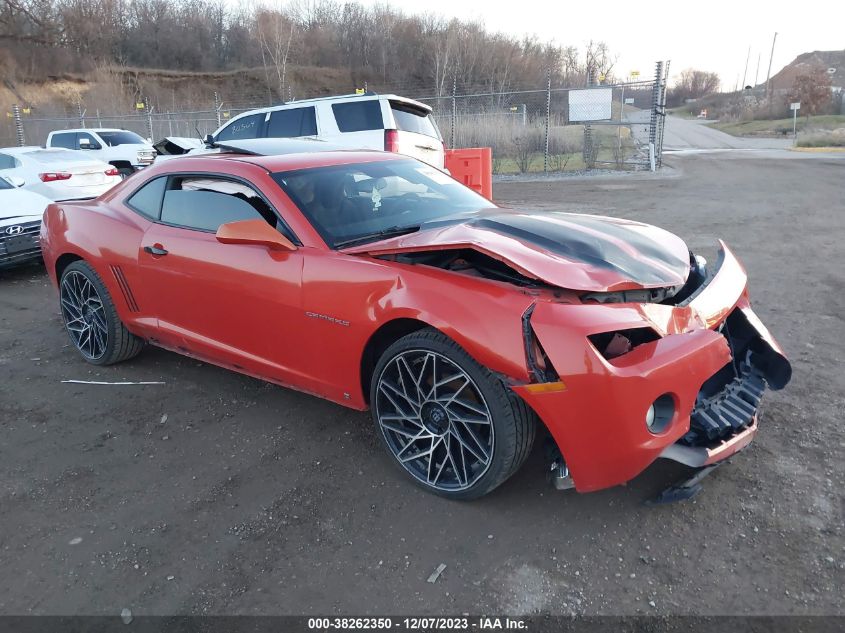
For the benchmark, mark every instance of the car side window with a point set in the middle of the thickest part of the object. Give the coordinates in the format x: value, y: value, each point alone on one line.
x: 292, y: 122
x: 7, y: 162
x: 86, y: 141
x: 147, y: 200
x: 204, y: 203
x: 247, y: 127
x: 357, y: 116
x: 67, y: 140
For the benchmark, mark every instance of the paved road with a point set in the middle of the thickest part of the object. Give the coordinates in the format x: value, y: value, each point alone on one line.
x: 252, y: 499
x: 693, y: 134
x: 682, y: 134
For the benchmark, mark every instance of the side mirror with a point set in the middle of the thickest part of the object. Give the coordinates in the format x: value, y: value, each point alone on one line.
x: 16, y: 181
x: 254, y: 232
x: 209, y: 140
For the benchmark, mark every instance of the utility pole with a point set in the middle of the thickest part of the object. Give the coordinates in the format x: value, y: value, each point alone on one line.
x: 745, y: 72
x: 16, y: 113
x: 757, y: 72
x: 548, y: 119
x: 769, y: 73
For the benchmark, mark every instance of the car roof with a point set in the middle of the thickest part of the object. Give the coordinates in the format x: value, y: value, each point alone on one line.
x: 28, y: 149
x: 288, y: 162
x: 91, y: 129
x: 367, y: 96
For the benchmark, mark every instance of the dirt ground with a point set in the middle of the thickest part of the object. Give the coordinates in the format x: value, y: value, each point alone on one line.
x: 216, y: 493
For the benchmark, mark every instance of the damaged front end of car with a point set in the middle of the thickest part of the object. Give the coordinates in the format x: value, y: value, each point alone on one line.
x: 677, y: 375
x: 634, y: 348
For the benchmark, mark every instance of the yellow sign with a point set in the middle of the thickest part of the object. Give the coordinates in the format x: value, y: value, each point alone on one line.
x: 9, y: 115
x: 602, y: 77
x: 514, y: 108
x: 27, y: 110
x: 359, y: 91
x: 139, y: 106
x: 225, y: 115
x: 635, y: 73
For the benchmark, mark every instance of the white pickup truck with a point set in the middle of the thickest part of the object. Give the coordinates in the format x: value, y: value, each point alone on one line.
x: 124, y: 150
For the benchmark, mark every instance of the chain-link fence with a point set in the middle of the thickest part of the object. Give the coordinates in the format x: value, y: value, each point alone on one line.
x: 616, y: 126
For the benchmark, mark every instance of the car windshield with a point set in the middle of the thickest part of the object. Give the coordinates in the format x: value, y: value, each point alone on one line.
x: 411, y: 119
x: 365, y: 202
x: 120, y: 137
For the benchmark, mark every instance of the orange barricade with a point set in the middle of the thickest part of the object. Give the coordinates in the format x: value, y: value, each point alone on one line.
x: 472, y: 166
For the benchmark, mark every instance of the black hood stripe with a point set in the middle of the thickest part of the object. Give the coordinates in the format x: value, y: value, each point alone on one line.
x: 647, y: 264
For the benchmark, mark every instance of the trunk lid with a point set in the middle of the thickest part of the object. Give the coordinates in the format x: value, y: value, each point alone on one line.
x: 416, y: 133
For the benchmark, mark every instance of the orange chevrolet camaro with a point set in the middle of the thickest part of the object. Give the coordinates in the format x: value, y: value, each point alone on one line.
x: 377, y: 281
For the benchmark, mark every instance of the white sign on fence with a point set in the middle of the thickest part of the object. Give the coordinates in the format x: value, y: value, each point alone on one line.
x: 629, y: 101
x: 590, y: 104
x: 795, y: 106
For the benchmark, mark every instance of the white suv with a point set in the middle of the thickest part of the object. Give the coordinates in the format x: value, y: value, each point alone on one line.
x: 365, y: 121
x: 122, y: 149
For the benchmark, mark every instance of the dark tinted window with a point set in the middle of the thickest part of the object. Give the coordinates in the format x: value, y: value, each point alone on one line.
x: 147, y: 200
x: 247, y: 127
x: 358, y: 116
x: 290, y: 123
x: 67, y: 140
x: 411, y: 119
x: 5, y: 184
x: 7, y: 162
x: 205, y: 203
x: 120, y: 137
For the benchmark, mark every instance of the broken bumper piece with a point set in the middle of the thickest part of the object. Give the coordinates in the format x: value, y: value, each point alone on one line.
x: 709, y: 369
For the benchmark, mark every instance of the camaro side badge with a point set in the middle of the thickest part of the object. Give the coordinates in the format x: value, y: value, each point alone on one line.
x: 325, y: 317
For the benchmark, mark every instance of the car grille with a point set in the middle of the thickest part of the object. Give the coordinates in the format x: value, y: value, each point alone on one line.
x: 729, y: 410
x: 19, y: 246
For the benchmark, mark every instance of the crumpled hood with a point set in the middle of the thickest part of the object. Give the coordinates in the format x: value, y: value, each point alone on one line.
x: 580, y: 252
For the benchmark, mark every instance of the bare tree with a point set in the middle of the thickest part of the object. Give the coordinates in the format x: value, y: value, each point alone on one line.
x: 812, y: 90
x: 693, y: 84
x: 275, y: 33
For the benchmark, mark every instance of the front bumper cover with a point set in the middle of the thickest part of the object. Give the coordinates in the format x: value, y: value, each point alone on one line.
x: 598, y: 420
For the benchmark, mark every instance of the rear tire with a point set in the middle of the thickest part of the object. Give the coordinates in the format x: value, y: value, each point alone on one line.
x: 449, y: 423
x: 91, y: 319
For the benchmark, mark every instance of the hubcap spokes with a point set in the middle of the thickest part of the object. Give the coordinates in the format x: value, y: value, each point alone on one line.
x: 84, y: 315
x: 435, y: 420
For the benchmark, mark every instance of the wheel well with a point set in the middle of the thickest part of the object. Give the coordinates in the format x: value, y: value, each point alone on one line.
x: 381, y: 339
x: 63, y: 262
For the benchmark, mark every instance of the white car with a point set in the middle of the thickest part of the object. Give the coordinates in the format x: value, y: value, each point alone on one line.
x: 121, y: 149
x: 366, y: 121
x: 20, y: 223
x: 58, y: 174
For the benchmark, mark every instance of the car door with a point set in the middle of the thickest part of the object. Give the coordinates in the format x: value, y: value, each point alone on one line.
x: 237, y: 305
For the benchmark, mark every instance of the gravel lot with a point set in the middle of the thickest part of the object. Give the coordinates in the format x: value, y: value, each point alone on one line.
x: 216, y: 493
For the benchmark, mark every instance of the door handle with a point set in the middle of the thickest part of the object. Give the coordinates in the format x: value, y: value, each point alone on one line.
x: 155, y: 250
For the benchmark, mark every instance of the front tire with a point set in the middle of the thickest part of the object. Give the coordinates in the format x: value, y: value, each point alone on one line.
x: 91, y: 320
x: 449, y: 423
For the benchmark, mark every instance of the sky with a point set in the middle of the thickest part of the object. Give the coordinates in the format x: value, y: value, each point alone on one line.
x: 712, y: 35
